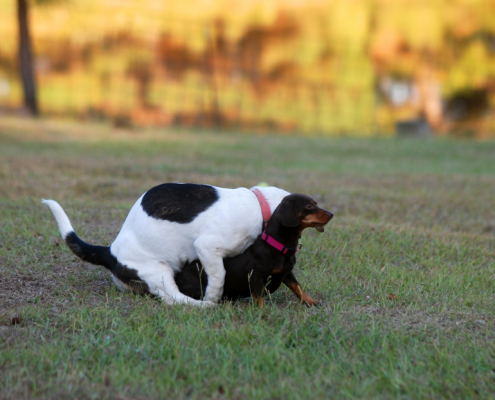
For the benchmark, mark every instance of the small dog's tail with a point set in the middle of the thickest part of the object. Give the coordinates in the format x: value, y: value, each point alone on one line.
x: 99, y: 255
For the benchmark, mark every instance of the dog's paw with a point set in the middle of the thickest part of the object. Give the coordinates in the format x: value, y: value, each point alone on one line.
x: 312, y: 303
x: 207, y: 303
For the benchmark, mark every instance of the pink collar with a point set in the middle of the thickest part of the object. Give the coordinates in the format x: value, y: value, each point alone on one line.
x: 265, y: 207
x: 279, y: 246
x: 267, y: 213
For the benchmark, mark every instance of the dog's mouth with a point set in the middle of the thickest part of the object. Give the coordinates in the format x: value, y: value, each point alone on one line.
x: 318, y: 223
x: 321, y: 227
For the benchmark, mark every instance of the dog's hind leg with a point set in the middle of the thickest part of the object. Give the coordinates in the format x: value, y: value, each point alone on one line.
x: 160, y: 280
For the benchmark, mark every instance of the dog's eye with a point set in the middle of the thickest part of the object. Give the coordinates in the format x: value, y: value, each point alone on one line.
x: 309, y: 207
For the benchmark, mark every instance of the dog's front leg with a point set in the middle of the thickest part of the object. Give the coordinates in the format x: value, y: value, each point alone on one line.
x: 257, y: 287
x: 291, y: 282
x: 212, y: 260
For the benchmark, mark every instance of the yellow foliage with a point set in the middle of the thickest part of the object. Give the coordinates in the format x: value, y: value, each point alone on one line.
x: 341, y: 48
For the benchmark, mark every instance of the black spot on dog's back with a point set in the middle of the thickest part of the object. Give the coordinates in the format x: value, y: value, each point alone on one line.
x: 178, y: 202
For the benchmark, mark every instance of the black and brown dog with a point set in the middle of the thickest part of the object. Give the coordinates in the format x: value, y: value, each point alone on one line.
x: 269, y: 261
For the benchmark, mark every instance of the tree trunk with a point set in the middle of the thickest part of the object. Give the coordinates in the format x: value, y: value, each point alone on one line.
x: 26, y: 59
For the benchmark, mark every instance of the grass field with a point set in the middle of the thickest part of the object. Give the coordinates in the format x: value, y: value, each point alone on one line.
x: 413, y: 218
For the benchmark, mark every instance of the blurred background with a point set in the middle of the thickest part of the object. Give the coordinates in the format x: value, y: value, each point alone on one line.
x: 333, y: 67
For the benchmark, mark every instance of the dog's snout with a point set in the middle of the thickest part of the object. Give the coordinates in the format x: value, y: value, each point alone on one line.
x: 330, y: 215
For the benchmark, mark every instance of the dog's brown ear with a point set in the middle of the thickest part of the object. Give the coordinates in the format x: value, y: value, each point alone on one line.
x: 287, y: 215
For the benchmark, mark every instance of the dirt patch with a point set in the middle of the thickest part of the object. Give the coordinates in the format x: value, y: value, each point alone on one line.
x: 57, y: 290
x: 401, y: 318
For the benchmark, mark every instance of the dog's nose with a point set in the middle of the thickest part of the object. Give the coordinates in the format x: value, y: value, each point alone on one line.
x: 330, y: 215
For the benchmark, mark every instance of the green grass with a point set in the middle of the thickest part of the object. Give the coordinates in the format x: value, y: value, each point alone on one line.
x: 412, y: 217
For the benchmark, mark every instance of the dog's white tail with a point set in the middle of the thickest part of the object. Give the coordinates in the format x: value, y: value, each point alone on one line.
x: 61, y: 217
x: 99, y: 255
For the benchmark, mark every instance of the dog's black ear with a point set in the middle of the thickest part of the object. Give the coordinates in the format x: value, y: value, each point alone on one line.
x: 287, y: 214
